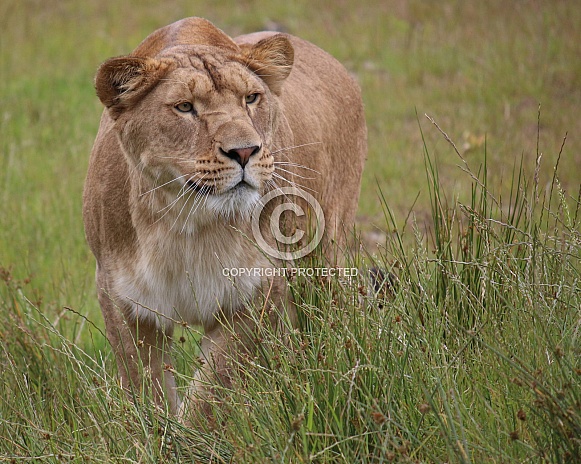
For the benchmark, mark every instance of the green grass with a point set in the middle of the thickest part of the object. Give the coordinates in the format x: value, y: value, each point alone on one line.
x: 474, y: 358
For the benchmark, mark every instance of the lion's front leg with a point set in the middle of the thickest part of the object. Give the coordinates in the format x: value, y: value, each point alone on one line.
x: 220, y: 347
x: 141, y: 348
x: 153, y: 347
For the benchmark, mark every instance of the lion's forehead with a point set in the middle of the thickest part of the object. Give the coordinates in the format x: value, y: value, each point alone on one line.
x: 205, y: 73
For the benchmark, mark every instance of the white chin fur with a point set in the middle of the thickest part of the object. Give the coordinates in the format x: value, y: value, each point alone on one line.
x: 237, y: 202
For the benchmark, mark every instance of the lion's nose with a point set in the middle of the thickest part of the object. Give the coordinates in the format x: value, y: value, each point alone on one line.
x: 241, y: 155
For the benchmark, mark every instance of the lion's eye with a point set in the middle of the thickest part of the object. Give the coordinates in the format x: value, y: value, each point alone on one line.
x: 184, y: 107
x: 252, y: 98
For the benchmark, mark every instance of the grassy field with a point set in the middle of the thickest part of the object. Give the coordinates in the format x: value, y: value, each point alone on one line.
x: 475, y: 355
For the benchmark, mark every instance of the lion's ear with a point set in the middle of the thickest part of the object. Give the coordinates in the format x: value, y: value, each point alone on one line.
x: 272, y: 60
x: 122, y: 81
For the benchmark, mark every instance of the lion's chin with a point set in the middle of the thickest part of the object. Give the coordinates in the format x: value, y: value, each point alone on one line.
x: 235, y: 203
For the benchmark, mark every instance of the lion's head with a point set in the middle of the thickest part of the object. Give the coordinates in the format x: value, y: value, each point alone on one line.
x: 196, y: 120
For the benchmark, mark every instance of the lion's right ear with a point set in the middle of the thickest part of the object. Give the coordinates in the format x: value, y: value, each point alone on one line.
x: 271, y: 59
x: 120, y: 82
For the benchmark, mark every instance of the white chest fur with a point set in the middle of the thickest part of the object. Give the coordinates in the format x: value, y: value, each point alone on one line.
x: 180, y: 277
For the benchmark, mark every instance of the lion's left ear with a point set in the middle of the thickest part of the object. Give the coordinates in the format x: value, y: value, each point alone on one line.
x: 272, y: 60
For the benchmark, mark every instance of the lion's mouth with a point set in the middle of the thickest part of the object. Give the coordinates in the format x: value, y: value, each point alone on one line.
x: 242, y: 184
x: 206, y: 189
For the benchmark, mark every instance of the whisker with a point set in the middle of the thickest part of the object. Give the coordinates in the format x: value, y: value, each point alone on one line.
x: 201, y: 198
x: 163, y: 185
x: 295, y: 146
x: 287, y: 163
x: 183, y: 192
x: 295, y: 174
x: 195, y: 205
x: 191, y: 192
x: 170, y: 206
x: 293, y: 184
x: 278, y: 187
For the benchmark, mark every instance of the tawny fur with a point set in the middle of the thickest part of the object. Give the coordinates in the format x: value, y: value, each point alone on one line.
x: 164, y: 207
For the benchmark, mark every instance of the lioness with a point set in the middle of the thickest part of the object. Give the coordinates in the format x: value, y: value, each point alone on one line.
x: 197, y: 127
